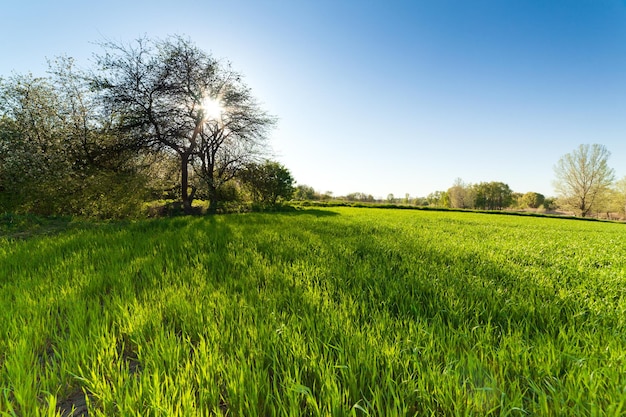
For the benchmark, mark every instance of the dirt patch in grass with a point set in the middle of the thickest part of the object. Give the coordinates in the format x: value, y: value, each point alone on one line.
x: 74, y: 405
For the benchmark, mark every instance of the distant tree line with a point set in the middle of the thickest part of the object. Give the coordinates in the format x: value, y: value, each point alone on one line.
x: 492, y: 195
x: 154, y: 119
x: 584, y: 182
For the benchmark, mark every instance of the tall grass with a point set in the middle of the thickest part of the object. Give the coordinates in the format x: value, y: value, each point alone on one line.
x: 340, y: 311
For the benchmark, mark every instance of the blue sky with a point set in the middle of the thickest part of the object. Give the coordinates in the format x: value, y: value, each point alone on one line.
x: 385, y: 96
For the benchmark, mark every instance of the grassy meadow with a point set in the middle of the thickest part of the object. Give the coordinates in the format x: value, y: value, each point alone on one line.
x: 316, y: 312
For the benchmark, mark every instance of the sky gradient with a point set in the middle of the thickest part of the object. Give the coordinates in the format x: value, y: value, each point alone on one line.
x: 388, y: 96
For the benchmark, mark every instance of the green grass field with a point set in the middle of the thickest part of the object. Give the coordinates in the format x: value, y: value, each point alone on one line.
x: 336, y: 311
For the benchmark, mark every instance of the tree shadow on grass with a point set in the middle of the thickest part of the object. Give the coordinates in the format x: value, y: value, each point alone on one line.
x: 458, y: 290
x: 25, y: 226
x: 310, y: 212
x: 288, y: 209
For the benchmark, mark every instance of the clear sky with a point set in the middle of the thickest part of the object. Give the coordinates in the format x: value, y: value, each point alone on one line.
x: 384, y: 96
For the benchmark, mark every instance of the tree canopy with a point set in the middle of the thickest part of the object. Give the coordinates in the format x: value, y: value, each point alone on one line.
x: 150, y: 116
x: 172, y: 97
x: 56, y: 154
x: 583, y: 177
x: 268, y: 182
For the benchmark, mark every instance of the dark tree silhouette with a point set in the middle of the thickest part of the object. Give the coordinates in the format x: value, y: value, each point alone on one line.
x: 169, y: 96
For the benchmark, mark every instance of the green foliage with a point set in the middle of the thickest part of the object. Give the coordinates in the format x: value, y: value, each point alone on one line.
x: 94, y: 142
x: 550, y: 203
x: 618, y: 202
x: 492, y: 195
x: 362, y: 197
x: 462, y: 195
x: 32, y: 147
x: 304, y: 192
x: 55, y: 158
x: 438, y: 199
x: 268, y: 182
x: 532, y: 200
x: 338, y: 311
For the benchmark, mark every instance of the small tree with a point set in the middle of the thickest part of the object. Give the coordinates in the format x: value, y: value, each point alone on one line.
x: 268, y: 182
x: 461, y: 195
x: 582, y: 177
x: 532, y: 200
x: 619, y: 196
x: 438, y: 199
x: 304, y: 192
x: 550, y: 204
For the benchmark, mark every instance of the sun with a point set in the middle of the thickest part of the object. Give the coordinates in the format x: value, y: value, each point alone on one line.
x: 212, y: 108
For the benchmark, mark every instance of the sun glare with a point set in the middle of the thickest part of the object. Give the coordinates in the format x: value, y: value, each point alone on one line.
x: 212, y: 108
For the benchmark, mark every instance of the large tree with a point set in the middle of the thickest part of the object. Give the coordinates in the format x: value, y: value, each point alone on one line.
x: 583, y: 176
x: 171, y: 97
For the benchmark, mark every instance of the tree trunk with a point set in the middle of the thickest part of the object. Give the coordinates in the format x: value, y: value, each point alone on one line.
x: 213, y: 200
x: 184, y: 183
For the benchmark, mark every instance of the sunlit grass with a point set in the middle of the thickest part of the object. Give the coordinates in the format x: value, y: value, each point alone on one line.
x: 319, y: 312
